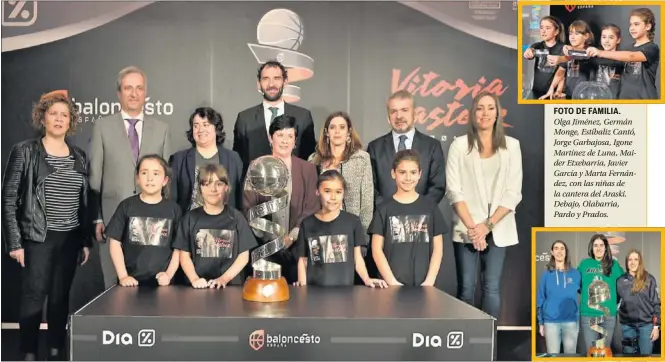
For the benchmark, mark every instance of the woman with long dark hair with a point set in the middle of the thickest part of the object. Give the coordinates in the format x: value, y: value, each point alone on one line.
x: 46, y: 220
x: 599, y: 266
x: 484, y: 186
x: 557, y: 301
x: 639, y: 307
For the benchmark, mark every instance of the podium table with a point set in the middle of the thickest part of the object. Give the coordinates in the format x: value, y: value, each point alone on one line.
x: 316, y: 324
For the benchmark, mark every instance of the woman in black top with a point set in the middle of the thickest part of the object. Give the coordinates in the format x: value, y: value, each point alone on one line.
x: 638, y: 80
x: 554, y: 37
x: 639, y: 307
x: 330, y: 240
x: 214, y: 239
x: 45, y: 220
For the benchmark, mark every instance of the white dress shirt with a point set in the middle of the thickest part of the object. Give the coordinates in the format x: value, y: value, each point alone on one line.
x: 409, y: 138
x: 268, y: 115
x: 139, y: 124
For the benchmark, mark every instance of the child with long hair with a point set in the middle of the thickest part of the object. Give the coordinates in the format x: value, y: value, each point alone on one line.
x: 142, y: 228
x: 599, y: 265
x: 330, y: 240
x: 638, y: 80
x: 553, y: 38
x: 557, y: 302
x: 214, y: 239
x: 639, y: 307
x: 407, y: 229
x: 571, y: 71
x: 609, y: 71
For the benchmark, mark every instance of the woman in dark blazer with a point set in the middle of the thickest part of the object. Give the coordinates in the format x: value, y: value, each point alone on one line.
x: 206, y: 134
x: 46, y: 221
x: 303, y: 200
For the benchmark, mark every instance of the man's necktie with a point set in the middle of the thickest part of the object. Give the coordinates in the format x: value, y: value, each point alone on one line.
x: 273, y: 110
x: 402, y: 143
x: 133, y: 138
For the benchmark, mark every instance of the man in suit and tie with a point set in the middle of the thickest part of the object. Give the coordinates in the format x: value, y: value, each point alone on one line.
x: 401, y: 116
x: 118, y: 141
x: 250, y: 133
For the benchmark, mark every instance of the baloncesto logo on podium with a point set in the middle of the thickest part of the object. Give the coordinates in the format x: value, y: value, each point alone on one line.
x: 259, y: 340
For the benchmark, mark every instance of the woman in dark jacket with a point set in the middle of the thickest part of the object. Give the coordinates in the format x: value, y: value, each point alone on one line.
x: 45, y: 220
x: 206, y: 134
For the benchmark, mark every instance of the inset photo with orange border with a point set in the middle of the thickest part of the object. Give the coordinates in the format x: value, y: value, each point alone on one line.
x: 596, y: 293
x: 590, y: 51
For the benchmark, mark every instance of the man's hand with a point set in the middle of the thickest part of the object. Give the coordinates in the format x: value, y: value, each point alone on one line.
x: 99, y: 233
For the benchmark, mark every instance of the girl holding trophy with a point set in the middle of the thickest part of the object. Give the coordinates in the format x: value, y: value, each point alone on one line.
x: 599, y: 298
x: 553, y: 34
x: 609, y: 71
x: 639, y: 307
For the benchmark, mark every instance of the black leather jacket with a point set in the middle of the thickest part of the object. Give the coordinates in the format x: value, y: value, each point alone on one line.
x: 23, y: 200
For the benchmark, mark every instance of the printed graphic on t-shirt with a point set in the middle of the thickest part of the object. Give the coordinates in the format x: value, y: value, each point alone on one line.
x: 215, y: 243
x: 573, y: 69
x: 409, y: 228
x: 541, y: 58
x: 195, y: 191
x: 633, y: 68
x: 149, y: 231
x: 329, y: 249
x: 606, y: 74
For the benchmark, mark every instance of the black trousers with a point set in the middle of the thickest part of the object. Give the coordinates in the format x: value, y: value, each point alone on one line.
x: 48, y: 273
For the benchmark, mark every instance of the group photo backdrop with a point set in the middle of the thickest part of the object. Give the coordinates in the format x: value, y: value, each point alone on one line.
x: 207, y: 54
x: 648, y: 243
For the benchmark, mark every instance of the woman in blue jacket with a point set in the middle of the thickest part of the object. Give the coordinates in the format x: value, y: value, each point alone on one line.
x: 557, y: 302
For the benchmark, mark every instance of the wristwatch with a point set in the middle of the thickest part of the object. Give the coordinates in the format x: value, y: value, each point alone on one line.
x: 489, y: 224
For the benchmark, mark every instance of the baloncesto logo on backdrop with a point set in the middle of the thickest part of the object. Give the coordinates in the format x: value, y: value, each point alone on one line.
x: 96, y: 108
x: 259, y: 340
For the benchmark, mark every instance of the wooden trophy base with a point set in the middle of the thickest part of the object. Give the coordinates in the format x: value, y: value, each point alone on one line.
x: 601, y: 352
x: 265, y: 290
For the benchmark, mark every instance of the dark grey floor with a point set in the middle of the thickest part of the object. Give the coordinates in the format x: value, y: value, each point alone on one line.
x: 513, y: 346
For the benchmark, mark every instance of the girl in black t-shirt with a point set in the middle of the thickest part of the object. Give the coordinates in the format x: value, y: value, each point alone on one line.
x: 330, y: 240
x: 554, y: 38
x: 407, y: 229
x: 638, y: 80
x: 609, y: 71
x: 214, y: 239
x: 141, y: 229
x: 572, y: 71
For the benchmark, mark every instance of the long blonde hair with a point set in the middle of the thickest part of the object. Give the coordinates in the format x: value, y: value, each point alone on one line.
x: 640, y: 274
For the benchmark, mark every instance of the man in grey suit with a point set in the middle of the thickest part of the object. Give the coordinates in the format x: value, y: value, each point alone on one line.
x: 118, y: 141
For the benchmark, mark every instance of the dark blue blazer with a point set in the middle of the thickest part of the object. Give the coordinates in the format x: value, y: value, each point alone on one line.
x: 182, y: 164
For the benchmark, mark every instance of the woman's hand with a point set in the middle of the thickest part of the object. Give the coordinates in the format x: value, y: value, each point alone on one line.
x: 19, y: 256
x: 85, y: 254
x: 655, y: 332
x: 541, y: 330
x: 129, y: 281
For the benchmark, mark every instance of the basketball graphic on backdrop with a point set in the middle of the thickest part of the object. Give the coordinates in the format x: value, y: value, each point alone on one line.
x: 281, y: 28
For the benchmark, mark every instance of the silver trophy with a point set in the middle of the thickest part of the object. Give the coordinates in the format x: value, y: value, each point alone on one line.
x: 599, y: 292
x: 267, y: 176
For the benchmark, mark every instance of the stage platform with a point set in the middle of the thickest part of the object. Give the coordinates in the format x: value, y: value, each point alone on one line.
x: 316, y: 324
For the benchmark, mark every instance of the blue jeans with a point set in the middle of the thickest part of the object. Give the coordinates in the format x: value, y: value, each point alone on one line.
x: 565, y: 332
x: 491, y: 260
x: 640, y: 334
x: 590, y: 335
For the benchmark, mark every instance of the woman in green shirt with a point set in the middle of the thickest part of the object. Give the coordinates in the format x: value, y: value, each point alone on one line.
x: 599, y: 265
